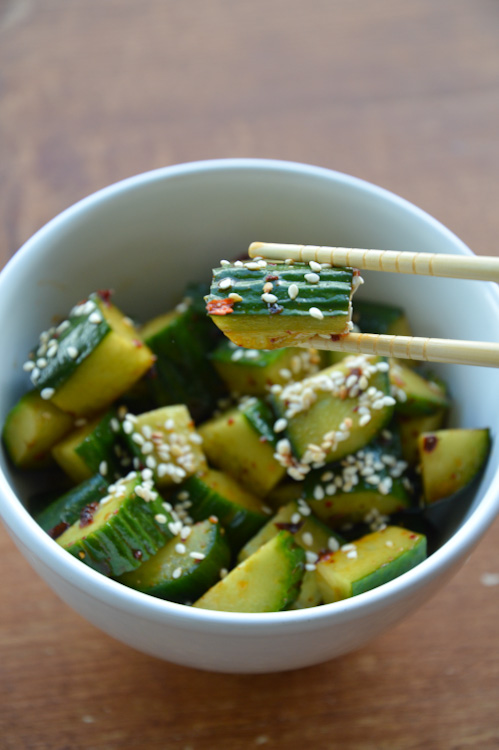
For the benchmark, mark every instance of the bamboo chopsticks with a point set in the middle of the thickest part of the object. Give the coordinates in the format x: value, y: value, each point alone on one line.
x: 481, y: 353
x: 479, y: 268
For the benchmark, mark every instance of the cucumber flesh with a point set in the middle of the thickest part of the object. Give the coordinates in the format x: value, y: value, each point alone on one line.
x: 184, y: 568
x: 65, y: 510
x: 268, y: 581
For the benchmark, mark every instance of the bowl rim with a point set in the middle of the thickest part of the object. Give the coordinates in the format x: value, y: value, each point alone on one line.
x: 27, y: 533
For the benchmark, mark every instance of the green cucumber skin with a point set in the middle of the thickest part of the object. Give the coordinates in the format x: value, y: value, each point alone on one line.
x: 199, y: 578
x: 406, y: 561
x: 82, y: 335
x: 240, y: 523
x: 260, y: 417
x: 66, y: 509
x: 127, y: 539
x: 297, y: 557
x: 374, y: 317
x: 99, y: 446
x: 331, y: 295
x: 182, y: 373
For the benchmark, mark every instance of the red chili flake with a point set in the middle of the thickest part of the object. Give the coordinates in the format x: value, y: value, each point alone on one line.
x: 430, y: 443
x: 87, y: 514
x: 275, y: 309
x: 335, y: 337
x: 293, y: 528
x: 230, y: 420
x: 138, y: 554
x: 105, y: 295
x: 263, y: 439
x: 138, y: 343
x: 213, y: 519
x: 220, y: 306
x: 271, y: 277
x: 58, y: 530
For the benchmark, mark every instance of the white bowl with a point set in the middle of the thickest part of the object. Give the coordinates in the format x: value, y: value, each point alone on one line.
x: 144, y: 237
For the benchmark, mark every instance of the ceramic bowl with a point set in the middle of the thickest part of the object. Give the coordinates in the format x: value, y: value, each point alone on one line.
x: 147, y: 235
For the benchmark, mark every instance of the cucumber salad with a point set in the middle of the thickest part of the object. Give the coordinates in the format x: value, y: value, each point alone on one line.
x: 242, y: 474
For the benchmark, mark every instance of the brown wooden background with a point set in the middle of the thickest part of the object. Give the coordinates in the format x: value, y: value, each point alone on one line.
x: 405, y: 94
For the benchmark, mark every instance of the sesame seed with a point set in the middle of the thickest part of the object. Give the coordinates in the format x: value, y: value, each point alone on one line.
x: 169, y: 424
x: 280, y: 425
x: 252, y: 266
x: 269, y: 298
x: 223, y: 572
x: 312, y: 278
x: 47, y: 393
x: 197, y: 555
x: 319, y: 492
x: 235, y: 296
x: 268, y: 286
x: 352, y: 554
x: 28, y: 366
x: 177, y: 573
x: 285, y: 373
x: 307, y: 538
x: 160, y: 518
x: 315, y: 266
x: 137, y: 438
x: 95, y: 317
x: 293, y: 291
x: 296, y: 518
x: 72, y: 352
x: 365, y: 419
x: 225, y: 263
x: 103, y: 468
x: 310, y: 566
x: 226, y: 283
x: 316, y: 313
x: 333, y: 544
x: 180, y: 548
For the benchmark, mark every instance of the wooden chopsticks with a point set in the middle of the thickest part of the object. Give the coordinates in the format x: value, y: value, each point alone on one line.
x: 478, y: 268
x: 481, y: 353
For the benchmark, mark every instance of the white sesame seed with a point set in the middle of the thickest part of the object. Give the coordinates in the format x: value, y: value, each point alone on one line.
x: 197, y: 555
x: 28, y: 366
x: 160, y: 518
x: 312, y: 278
x: 137, y: 438
x: 47, y: 393
x: 177, y: 573
x: 252, y: 266
x: 293, y: 291
x: 72, y: 352
x: 352, y: 554
x: 307, y: 538
x: 318, y: 492
x: 268, y: 286
x: 95, y: 317
x: 285, y: 373
x: 280, y: 425
x: 169, y: 424
x: 296, y: 518
x: 316, y: 313
x: 225, y: 263
x: 235, y: 296
x: 315, y: 266
x: 262, y: 263
x: 103, y: 468
x: 180, y: 548
x: 310, y: 566
x: 333, y: 544
x: 269, y: 298
x: 226, y: 283
x: 151, y: 462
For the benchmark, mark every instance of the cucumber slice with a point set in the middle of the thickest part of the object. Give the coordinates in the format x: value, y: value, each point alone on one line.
x: 183, y: 373
x: 90, y: 359
x: 125, y: 528
x: 65, y: 510
x: 415, y: 395
x: 90, y: 449
x: 450, y: 459
x: 184, y: 568
x: 32, y: 427
x: 165, y: 441
x: 232, y: 444
x: 369, y: 483
x: 410, y: 429
x: 369, y: 562
x: 255, y: 304
x: 377, y: 317
x: 254, y: 371
x: 333, y: 413
x: 268, y: 581
x: 214, y: 493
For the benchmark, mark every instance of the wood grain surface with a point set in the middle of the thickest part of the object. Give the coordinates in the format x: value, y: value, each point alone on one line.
x: 403, y: 94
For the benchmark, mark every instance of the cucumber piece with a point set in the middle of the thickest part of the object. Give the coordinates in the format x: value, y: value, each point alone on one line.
x: 312, y: 535
x: 183, y: 373
x: 254, y: 371
x: 410, y: 428
x: 165, y: 441
x: 232, y: 444
x: 369, y: 562
x: 261, y: 419
x: 371, y: 482
x: 90, y: 449
x: 65, y: 510
x: 184, y: 568
x: 333, y: 413
x: 214, y: 493
x: 268, y: 581
x: 415, y: 395
x: 90, y: 359
x: 127, y: 527
x: 450, y: 459
x: 309, y: 532
x: 377, y: 317
x: 284, y: 493
x: 263, y: 311
x: 31, y: 428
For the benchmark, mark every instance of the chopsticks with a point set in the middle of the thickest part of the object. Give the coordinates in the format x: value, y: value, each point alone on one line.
x: 478, y: 268
x: 481, y: 353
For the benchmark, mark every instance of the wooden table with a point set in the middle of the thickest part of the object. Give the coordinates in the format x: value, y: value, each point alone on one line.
x: 403, y: 94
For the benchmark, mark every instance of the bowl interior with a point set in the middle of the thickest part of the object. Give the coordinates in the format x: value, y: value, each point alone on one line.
x: 146, y: 237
